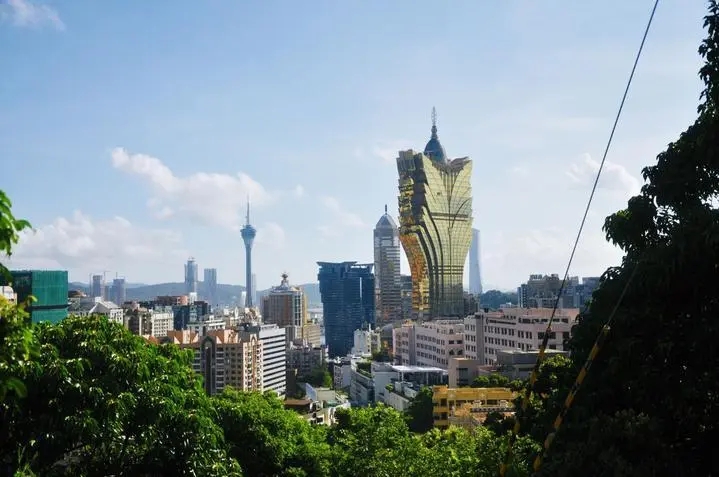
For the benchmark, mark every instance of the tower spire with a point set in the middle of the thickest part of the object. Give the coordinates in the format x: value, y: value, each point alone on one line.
x: 385, y: 209
x: 434, y: 122
x: 248, y: 209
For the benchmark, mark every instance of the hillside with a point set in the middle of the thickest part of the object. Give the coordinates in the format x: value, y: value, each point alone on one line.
x: 225, y: 293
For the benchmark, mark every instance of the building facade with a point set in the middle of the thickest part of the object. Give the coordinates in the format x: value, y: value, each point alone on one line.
x: 488, y: 332
x: 191, y: 276
x: 435, y: 205
x: 274, y: 358
x: 475, y: 265
x: 49, y: 287
x: 210, y: 285
x: 119, y: 291
x: 347, y: 291
x: 387, y: 280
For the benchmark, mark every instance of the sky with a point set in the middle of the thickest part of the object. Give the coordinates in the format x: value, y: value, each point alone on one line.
x: 132, y: 132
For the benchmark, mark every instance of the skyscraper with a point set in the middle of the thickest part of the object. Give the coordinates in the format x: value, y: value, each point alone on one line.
x: 435, y: 204
x: 210, y: 285
x: 190, y: 276
x: 248, y: 233
x: 387, y: 285
x: 119, y: 291
x: 98, y: 287
x: 475, y: 265
x: 347, y: 291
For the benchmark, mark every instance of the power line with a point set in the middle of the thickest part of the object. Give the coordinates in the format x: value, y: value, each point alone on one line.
x: 545, y: 340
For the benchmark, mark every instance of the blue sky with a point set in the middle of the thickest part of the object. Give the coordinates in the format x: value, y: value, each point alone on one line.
x: 131, y: 132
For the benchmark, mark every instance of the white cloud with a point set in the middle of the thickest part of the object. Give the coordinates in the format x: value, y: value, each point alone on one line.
x: 614, y: 176
x: 24, y: 13
x: 389, y: 151
x: 83, y: 246
x: 271, y: 234
x: 299, y: 191
x: 343, y: 217
x: 508, y: 259
x: 519, y: 170
x: 217, y: 199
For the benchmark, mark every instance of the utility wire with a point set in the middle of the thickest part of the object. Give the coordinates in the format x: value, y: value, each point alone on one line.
x: 545, y: 340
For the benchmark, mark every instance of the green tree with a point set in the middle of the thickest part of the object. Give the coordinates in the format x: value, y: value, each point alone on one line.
x: 17, y: 343
x: 383, y: 356
x: 419, y: 413
x: 374, y: 442
x: 319, y: 377
x: 493, y: 380
x: 102, y: 401
x: 493, y: 299
x: 268, y: 440
x: 649, y: 403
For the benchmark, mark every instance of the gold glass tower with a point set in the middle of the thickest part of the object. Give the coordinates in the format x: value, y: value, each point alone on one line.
x: 435, y: 213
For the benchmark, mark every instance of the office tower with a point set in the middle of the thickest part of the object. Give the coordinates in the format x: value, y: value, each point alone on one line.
x: 475, y: 265
x: 248, y: 233
x: 347, y: 291
x: 119, y: 291
x: 48, y: 287
x: 97, y: 288
x: 190, y: 276
x: 387, y: 285
x: 210, y: 285
x: 435, y: 205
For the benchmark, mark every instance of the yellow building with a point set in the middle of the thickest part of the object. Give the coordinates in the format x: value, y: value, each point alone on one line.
x: 467, y: 407
x: 435, y: 214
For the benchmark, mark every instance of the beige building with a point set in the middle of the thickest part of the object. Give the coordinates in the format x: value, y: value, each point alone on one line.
x: 154, y: 323
x: 468, y: 406
x: 286, y: 307
x: 224, y: 358
x: 487, y: 332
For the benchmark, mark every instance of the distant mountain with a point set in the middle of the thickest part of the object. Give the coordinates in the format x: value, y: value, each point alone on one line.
x: 225, y: 293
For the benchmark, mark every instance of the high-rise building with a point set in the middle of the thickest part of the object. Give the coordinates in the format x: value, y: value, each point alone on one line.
x: 98, y: 287
x: 274, y: 358
x: 210, y: 285
x: 347, y: 291
x: 190, y: 276
x: 285, y: 305
x: 387, y: 284
x: 435, y: 205
x: 119, y: 291
x: 475, y: 265
x: 49, y: 287
x: 248, y: 233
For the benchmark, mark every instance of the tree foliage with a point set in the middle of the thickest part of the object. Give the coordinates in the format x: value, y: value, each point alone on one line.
x: 319, y: 377
x: 419, y: 413
x: 101, y: 401
x: 650, y: 404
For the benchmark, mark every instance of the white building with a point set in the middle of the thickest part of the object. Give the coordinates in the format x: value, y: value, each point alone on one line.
x: 274, y: 359
x: 384, y: 374
x: 97, y: 306
x: 366, y: 342
x: 488, y: 332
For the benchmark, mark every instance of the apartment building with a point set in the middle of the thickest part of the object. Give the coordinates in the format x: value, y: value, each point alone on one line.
x: 305, y: 358
x: 156, y: 323
x: 224, y: 358
x: 274, y: 359
x: 488, y: 332
x: 429, y: 343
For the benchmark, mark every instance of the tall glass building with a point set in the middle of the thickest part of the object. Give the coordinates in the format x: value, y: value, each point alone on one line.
x: 347, y: 291
x: 387, y: 284
x: 49, y: 287
x: 475, y: 265
x: 435, y: 206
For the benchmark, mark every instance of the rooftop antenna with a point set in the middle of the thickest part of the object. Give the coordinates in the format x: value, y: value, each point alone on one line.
x: 434, y: 117
x: 385, y: 209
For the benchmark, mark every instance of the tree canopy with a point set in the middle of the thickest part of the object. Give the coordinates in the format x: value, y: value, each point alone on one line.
x: 650, y: 402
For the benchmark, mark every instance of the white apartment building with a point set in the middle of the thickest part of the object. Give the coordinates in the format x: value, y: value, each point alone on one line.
x: 274, y: 359
x: 97, y: 306
x: 404, y: 345
x: 488, y: 332
x: 366, y: 342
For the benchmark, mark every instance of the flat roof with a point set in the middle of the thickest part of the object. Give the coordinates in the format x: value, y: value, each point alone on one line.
x: 416, y: 369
